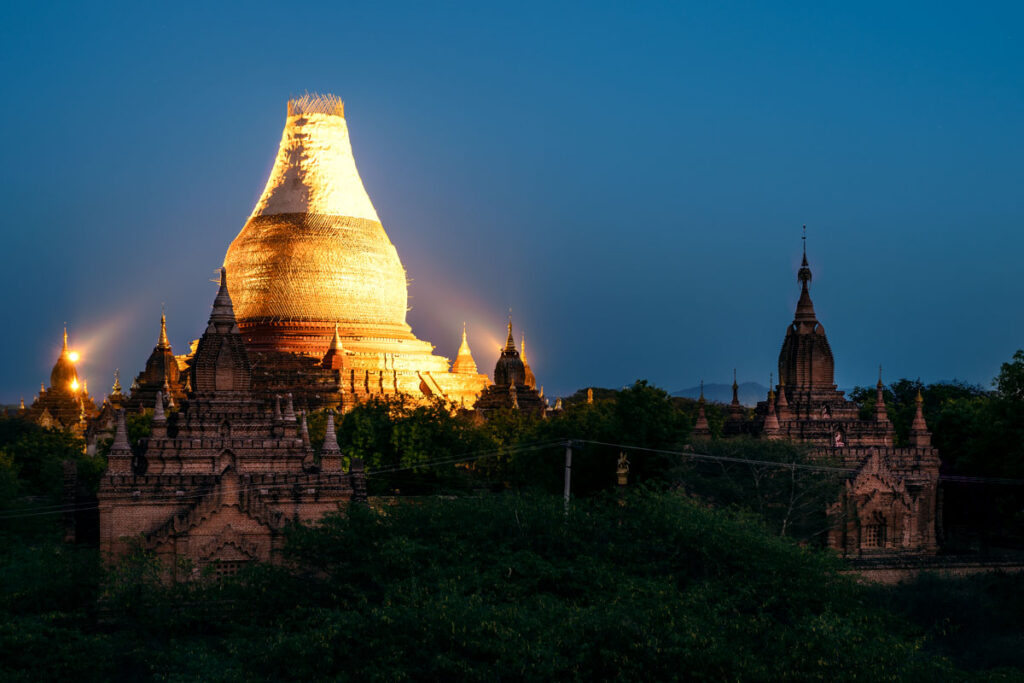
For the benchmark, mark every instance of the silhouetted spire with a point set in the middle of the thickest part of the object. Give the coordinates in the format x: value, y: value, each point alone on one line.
x: 771, y: 421
x: 701, y: 428
x: 735, y: 389
x: 881, y: 414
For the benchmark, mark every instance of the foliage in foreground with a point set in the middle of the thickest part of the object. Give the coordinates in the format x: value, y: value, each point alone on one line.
x: 495, y: 588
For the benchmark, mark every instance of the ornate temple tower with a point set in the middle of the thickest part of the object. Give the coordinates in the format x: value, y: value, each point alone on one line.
x: 805, y: 361
x: 313, y: 268
x: 161, y: 374
x: 806, y: 403
x: 888, y: 505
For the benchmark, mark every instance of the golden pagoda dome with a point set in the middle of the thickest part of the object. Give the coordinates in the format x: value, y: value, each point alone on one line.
x: 64, y: 376
x: 314, y: 254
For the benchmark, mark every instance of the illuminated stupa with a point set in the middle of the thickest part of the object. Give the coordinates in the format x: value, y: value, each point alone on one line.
x: 66, y: 404
x: 313, y: 272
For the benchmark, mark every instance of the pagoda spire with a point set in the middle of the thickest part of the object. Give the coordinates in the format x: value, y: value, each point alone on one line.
x: 223, y: 312
x: 735, y: 389
x: 119, y: 460
x: 783, y: 402
x: 64, y: 350
x: 336, y: 341
x: 771, y: 422
x: 920, y: 437
x: 529, y: 379
x: 330, y: 437
x: 335, y: 356
x: 881, y: 414
x: 510, y: 343
x: 163, y: 343
x: 330, y: 453
x: 805, y: 307
x: 464, y: 363
x: 116, y: 389
x: 700, y: 427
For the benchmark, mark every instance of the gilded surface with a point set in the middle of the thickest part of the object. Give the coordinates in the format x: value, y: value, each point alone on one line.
x: 316, y: 267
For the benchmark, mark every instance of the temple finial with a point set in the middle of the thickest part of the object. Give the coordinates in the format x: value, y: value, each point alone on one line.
x: 336, y: 342
x: 464, y: 362
x: 162, y: 342
x: 702, y: 390
x: 65, y: 349
x: 804, y: 274
x: 510, y: 343
x: 879, y: 374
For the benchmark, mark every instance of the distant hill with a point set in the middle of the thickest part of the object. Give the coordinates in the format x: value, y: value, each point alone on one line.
x: 749, y: 393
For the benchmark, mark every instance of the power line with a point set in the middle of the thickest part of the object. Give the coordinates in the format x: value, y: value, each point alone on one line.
x: 513, y: 450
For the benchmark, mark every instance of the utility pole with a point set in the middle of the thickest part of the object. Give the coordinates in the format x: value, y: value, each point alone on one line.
x: 568, y: 473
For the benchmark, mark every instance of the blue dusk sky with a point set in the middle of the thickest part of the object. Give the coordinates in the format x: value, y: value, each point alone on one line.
x: 629, y: 178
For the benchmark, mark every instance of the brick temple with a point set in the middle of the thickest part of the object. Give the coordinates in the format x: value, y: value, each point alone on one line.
x: 890, y: 503
x: 218, y: 480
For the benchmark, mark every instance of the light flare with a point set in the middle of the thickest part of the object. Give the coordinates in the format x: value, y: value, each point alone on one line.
x: 73, y: 356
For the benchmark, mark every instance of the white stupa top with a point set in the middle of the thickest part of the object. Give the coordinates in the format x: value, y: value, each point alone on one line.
x: 315, y: 171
